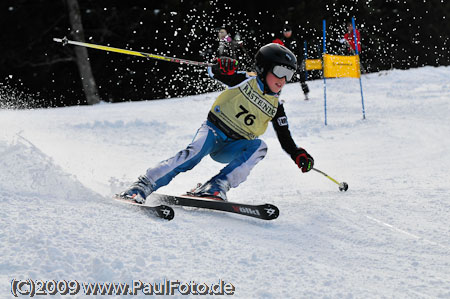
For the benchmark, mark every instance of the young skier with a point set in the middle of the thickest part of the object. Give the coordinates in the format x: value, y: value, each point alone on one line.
x: 239, y: 115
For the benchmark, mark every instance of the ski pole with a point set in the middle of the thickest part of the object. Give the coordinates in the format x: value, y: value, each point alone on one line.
x: 66, y: 41
x: 342, y: 186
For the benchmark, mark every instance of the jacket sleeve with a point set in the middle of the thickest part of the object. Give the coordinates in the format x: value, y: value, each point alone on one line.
x: 229, y: 80
x: 280, y: 124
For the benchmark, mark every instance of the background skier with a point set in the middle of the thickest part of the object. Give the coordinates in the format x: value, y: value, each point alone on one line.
x: 290, y: 42
x: 229, y: 46
x: 349, y: 41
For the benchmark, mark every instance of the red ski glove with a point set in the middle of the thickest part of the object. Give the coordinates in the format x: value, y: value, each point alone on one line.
x: 225, y: 65
x: 303, y: 160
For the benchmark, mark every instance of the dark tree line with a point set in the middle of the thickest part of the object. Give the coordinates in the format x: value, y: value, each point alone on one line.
x: 395, y: 34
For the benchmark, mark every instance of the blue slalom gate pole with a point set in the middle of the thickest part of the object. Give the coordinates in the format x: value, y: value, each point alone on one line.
x: 325, y: 79
x: 357, y: 53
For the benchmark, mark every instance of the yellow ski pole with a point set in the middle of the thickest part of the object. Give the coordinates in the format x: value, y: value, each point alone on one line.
x: 342, y: 186
x: 66, y: 41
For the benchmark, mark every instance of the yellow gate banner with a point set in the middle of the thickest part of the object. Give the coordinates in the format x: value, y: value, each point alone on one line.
x: 313, y: 64
x: 337, y: 66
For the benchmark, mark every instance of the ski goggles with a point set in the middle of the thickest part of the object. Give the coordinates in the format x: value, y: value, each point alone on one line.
x: 281, y: 71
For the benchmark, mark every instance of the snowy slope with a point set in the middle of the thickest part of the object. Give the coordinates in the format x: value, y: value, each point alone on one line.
x: 388, y: 236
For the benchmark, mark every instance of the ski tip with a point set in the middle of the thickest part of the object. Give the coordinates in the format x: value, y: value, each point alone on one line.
x: 272, y: 212
x: 166, y: 212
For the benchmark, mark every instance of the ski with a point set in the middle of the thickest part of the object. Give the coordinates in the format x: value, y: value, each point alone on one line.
x: 161, y: 211
x: 263, y: 211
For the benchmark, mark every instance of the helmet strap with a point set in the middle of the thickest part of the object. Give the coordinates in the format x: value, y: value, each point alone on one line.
x: 262, y: 77
x: 266, y: 89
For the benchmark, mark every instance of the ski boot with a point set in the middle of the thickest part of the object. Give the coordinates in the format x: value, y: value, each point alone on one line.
x: 139, y: 190
x: 213, y: 189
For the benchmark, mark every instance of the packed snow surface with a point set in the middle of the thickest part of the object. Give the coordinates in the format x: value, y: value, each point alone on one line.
x: 387, y: 236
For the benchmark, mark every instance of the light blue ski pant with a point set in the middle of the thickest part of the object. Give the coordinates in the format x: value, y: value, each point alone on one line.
x: 240, y: 155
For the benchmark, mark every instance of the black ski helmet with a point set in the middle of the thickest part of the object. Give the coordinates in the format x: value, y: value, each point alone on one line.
x: 271, y: 55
